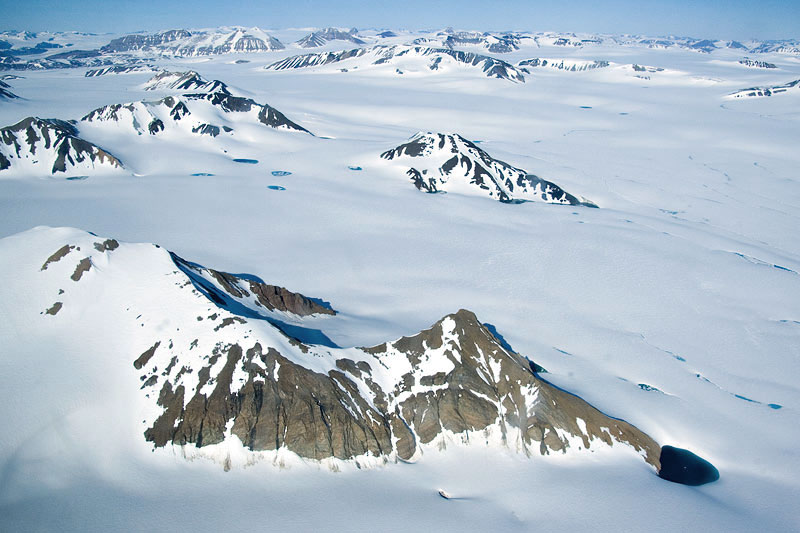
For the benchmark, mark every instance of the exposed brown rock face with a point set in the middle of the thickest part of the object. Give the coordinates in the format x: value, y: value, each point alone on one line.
x: 459, y: 380
x: 107, y: 245
x: 274, y: 297
x: 57, y: 255
x: 250, y: 292
x: 270, y: 296
x: 84, y: 266
x: 146, y: 356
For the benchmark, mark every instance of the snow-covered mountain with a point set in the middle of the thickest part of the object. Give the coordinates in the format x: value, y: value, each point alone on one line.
x: 563, y: 64
x: 319, y: 38
x: 755, y: 63
x: 196, y: 43
x: 195, y: 107
x: 120, y: 69
x: 214, y: 378
x: 199, y: 107
x: 496, y: 44
x: 183, y: 82
x: 418, y: 58
x: 53, y: 145
x: 447, y: 162
x: 793, y: 87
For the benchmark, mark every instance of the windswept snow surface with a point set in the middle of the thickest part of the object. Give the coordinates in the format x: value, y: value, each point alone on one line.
x: 675, y: 305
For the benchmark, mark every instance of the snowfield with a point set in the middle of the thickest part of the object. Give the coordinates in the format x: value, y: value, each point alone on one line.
x: 674, y: 305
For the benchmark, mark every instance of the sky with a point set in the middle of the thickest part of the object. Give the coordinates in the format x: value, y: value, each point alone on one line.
x: 716, y: 19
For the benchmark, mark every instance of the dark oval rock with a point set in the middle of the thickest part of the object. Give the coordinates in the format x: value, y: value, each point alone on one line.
x: 682, y: 466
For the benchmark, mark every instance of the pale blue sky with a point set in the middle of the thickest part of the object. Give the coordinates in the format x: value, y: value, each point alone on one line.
x: 729, y: 19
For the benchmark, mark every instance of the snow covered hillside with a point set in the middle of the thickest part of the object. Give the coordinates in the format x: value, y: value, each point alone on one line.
x: 51, y: 145
x: 315, y: 344
x: 449, y: 162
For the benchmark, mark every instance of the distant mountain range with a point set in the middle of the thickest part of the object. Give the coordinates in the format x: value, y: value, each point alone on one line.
x: 322, y: 37
x: 196, y: 43
x: 436, y: 59
x: 30, y: 50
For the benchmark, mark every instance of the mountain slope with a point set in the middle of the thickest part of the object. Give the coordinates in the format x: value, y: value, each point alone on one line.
x: 52, y: 146
x: 439, y: 162
x: 212, y: 378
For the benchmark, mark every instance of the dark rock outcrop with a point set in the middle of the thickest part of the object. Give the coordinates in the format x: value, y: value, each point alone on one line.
x: 58, y: 255
x: 83, y: 266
